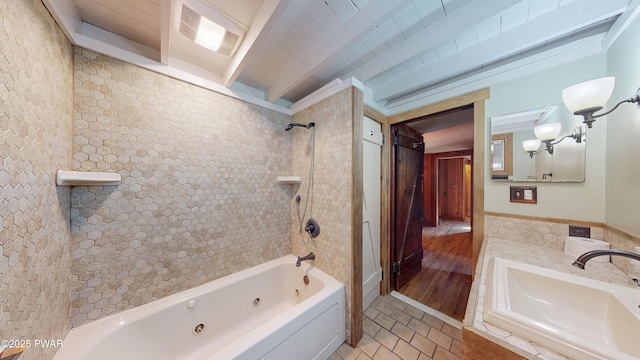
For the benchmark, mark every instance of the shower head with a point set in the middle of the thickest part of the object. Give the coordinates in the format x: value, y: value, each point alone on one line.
x: 308, y: 126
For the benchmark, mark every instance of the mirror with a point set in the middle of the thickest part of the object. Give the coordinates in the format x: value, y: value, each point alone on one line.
x: 555, y: 146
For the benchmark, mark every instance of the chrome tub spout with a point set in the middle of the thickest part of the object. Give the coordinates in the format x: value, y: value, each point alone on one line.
x: 310, y: 256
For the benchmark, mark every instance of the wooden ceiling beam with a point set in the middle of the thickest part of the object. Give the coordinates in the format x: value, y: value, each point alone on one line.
x: 431, y: 36
x: 621, y: 24
x: 165, y: 30
x: 567, y: 19
x: 264, y: 20
x: 373, y: 13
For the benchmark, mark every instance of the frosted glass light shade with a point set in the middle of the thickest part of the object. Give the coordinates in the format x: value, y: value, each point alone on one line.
x: 531, y: 145
x: 210, y: 34
x: 547, y: 131
x: 589, y: 94
x: 209, y: 29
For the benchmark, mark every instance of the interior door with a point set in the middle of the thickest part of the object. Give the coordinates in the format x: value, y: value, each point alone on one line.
x: 451, y: 184
x: 407, y: 201
x: 371, y: 269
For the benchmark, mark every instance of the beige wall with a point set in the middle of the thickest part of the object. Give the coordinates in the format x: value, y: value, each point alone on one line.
x: 36, y: 107
x: 331, y: 203
x: 199, y: 198
x: 623, y: 131
x: 574, y: 201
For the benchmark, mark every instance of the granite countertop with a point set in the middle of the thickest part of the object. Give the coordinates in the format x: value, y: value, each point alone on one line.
x: 539, y: 256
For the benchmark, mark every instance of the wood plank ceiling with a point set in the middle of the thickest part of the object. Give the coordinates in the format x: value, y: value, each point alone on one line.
x: 399, y: 49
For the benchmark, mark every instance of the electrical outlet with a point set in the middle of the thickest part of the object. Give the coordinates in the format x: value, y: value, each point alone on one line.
x: 582, y: 231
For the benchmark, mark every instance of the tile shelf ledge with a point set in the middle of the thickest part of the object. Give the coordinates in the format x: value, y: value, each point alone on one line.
x: 289, y: 179
x: 80, y: 178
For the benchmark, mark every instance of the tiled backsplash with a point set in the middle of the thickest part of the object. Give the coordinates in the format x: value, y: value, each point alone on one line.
x: 198, y: 200
x: 537, y: 232
x: 621, y: 240
x: 552, y: 234
x: 36, y: 108
x: 331, y: 202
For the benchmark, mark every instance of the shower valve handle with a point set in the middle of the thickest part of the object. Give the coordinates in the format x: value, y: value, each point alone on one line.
x: 312, y: 228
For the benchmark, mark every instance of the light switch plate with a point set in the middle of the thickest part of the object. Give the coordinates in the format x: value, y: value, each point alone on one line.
x: 524, y: 194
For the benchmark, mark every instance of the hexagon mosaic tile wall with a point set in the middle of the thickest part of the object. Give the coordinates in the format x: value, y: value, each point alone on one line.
x: 199, y: 198
x: 36, y: 108
x: 537, y: 232
x: 331, y: 201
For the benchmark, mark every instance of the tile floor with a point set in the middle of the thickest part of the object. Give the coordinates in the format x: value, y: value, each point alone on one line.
x: 394, y: 330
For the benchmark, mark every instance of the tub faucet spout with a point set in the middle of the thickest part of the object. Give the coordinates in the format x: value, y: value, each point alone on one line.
x: 310, y: 256
x: 581, y: 261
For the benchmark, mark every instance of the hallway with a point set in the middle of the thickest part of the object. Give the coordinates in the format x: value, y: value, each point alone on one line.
x: 444, y: 282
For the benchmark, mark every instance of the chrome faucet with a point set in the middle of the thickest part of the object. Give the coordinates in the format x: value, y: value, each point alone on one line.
x: 310, y: 256
x: 581, y: 261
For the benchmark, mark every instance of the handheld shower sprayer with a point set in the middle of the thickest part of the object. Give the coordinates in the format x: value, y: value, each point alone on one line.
x: 308, y: 126
x: 312, y: 228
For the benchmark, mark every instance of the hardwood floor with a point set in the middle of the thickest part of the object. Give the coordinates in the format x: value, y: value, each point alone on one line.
x: 447, y: 227
x: 444, y: 282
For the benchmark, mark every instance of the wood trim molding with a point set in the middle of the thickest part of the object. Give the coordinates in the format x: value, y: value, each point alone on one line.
x: 477, y: 176
x: 450, y: 154
x: 356, y: 215
x: 474, y: 97
x: 477, y: 98
x: 508, y: 154
x: 538, y: 218
x: 385, y: 211
x: 478, y: 347
x: 375, y: 115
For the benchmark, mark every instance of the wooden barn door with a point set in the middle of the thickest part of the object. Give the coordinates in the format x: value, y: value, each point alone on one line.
x: 408, y: 212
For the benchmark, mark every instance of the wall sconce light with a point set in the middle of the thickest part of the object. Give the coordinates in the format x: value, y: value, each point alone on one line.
x: 546, y: 134
x: 586, y: 98
x: 531, y: 146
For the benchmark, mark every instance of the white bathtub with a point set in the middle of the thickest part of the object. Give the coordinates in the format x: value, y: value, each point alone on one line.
x: 266, y: 312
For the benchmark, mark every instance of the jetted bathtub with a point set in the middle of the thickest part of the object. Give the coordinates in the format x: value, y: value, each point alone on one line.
x: 272, y: 311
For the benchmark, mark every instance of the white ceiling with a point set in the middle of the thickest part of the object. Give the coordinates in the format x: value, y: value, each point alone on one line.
x: 400, y: 50
x: 524, y: 120
x: 446, y: 131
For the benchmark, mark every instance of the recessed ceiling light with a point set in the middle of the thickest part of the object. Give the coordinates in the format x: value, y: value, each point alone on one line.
x: 209, y: 29
x: 210, y: 34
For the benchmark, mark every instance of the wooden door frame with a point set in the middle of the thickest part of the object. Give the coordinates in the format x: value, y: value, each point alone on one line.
x: 475, y: 98
x: 357, y: 142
